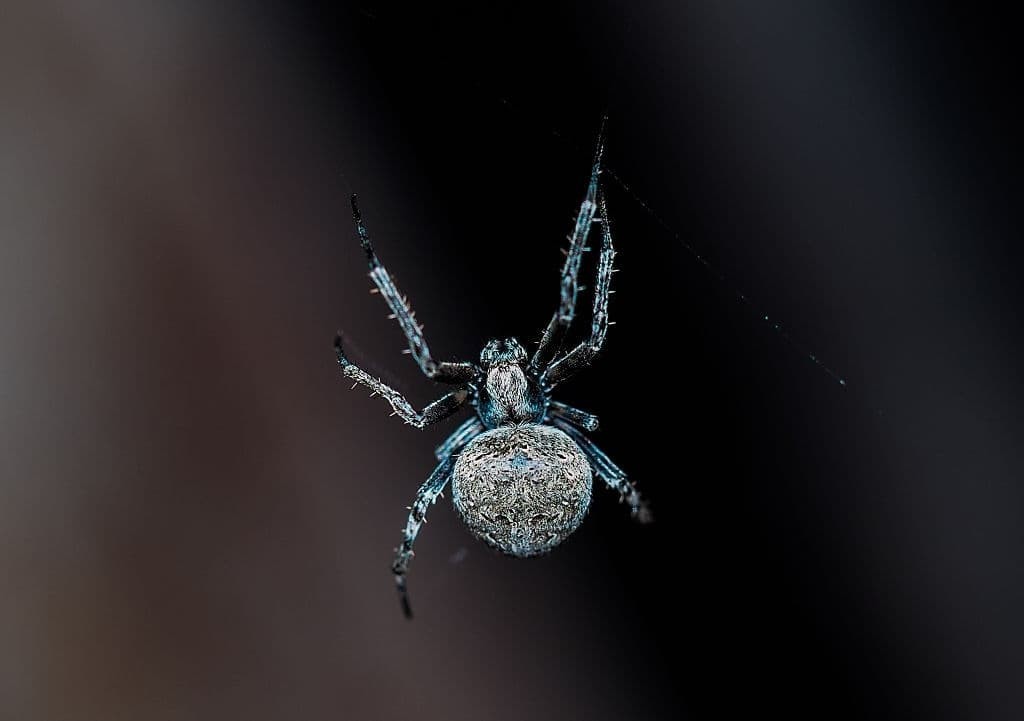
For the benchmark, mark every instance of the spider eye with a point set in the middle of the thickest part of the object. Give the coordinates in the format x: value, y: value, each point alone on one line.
x: 515, y: 351
x: 502, y: 351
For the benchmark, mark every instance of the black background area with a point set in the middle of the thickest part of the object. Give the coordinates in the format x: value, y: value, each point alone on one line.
x: 833, y: 168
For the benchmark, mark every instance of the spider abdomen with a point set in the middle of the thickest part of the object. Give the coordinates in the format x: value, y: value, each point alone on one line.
x: 523, y: 489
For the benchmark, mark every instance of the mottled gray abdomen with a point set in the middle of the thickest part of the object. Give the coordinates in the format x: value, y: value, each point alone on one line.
x: 523, y: 489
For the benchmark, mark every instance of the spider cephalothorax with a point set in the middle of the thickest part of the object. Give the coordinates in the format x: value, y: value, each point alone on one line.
x: 508, y: 393
x: 521, y: 467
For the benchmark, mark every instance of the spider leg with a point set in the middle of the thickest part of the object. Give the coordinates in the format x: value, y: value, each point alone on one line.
x: 426, y: 495
x: 613, y: 476
x: 582, y: 355
x: 586, y: 421
x: 436, y: 411
x: 459, y: 438
x: 551, y: 340
x: 443, y: 372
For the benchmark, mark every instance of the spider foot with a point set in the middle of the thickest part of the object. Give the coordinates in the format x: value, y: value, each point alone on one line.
x: 403, y: 595
x: 639, y: 510
x: 399, y: 568
x: 364, y: 236
x: 340, y: 351
x: 642, y: 514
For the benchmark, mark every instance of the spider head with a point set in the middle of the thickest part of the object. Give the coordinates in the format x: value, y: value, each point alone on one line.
x: 500, y: 352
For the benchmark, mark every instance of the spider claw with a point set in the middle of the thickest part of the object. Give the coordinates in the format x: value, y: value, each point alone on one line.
x: 406, y: 606
x: 642, y: 514
x: 338, y: 349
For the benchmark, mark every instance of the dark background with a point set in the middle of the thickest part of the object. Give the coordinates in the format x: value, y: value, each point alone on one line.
x: 197, y: 517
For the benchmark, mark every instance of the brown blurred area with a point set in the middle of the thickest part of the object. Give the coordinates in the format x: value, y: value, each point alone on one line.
x: 193, y: 523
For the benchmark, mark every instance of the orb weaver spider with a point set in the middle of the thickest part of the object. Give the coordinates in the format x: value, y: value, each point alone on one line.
x: 521, y: 468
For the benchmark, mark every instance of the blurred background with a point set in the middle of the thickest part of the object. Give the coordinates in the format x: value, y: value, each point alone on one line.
x: 197, y: 517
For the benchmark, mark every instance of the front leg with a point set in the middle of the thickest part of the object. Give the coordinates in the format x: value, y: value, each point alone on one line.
x: 436, y: 411
x: 444, y: 371
x: 558, y: 326
x: 582, y: 355
x: 427, y: 494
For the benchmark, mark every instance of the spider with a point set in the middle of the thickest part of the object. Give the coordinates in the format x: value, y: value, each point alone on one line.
x: 521, y: 468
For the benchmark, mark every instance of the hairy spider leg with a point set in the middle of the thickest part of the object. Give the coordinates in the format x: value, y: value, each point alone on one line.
x: 459, y: 438
x: 582, y: 355
x: 444, y: 372
x: 558, y: 326
x: 613, y: 476
x: 586, y: 421
x: 436, y: 411
x: 425, y: 496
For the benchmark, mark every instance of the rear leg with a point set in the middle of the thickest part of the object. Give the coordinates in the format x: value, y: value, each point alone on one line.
x: 459, y: 438
x: 613, y: 476
x: 426, y: 495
